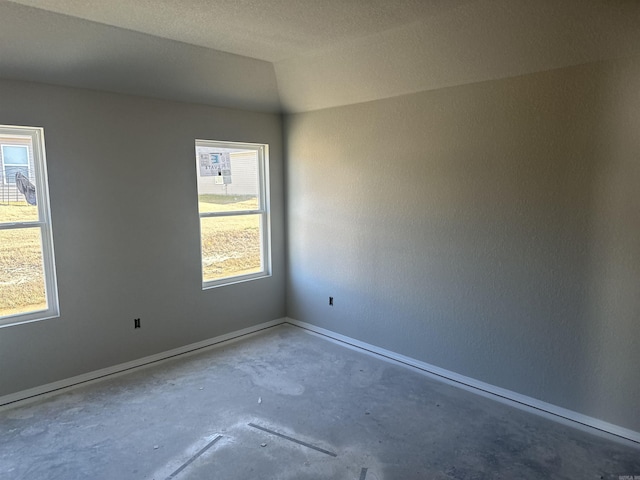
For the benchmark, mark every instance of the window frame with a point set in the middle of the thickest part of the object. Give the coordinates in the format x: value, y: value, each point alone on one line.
x: 6, y: 178
x: 262, y: 150
x: 43, y: 223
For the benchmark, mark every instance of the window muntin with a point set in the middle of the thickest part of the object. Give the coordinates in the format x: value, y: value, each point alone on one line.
x: 233, y: 208
x: 27, y: 275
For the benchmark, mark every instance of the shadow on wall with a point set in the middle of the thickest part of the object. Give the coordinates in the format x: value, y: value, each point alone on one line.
x: 613, y: 330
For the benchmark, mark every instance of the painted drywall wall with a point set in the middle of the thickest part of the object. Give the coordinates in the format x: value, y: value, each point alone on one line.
x: 490, y: 229
x: 122, y: 183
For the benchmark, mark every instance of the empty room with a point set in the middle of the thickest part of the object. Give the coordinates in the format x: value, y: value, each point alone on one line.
x: 298, y: 239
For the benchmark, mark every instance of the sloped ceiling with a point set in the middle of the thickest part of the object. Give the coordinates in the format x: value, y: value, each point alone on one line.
x: 270, y: 30
x: 37, y: 45
x: 301, y: 55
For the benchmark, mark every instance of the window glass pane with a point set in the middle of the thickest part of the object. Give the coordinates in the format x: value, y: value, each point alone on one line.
x: 231, y: 246
x: 228, y: 178
x: 17, y: 182
x: 22, y: 287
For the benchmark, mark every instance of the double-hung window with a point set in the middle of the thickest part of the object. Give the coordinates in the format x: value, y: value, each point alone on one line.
x: 233, y: 204
x: 27, y: 273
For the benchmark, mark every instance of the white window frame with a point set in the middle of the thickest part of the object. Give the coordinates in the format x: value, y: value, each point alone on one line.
x: 5, y: 164
x: 43, y: 223
x: 263, y: 211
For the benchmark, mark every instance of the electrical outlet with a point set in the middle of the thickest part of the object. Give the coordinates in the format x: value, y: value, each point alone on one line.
x: 136, y: 323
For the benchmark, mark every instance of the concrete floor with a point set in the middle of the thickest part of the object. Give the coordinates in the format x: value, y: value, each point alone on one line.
x: 286, y: 404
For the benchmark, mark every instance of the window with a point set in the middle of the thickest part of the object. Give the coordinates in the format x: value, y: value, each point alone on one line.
x: 234, y: 212
x: 27, y: 276
x: 15, y: 159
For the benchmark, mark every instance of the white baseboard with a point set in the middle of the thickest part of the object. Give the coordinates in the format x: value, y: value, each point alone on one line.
x: 43, y: 391
x: 533, y: 405
x: 547, y: 410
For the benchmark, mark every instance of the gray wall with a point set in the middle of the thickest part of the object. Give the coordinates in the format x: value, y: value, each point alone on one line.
x: 126, y: 231
x: 490, y: 229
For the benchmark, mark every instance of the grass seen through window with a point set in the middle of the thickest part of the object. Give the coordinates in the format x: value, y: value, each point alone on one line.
x: 21, y: 271
x: 230, y: 245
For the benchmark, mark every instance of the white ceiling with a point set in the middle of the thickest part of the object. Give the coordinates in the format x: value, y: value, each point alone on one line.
x: 270, y: 30
x: 300, y: 55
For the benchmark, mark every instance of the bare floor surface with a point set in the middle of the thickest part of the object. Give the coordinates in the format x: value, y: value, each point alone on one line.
x: 286, y: 404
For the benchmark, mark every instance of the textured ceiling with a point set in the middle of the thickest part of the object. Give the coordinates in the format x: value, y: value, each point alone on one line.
x: 40, y: 46
x: 301, y: 55
x: 478, y: 41
x: 267, y: 30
